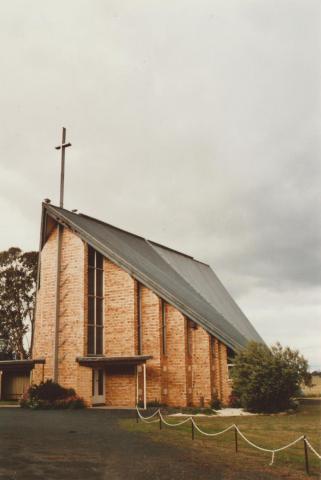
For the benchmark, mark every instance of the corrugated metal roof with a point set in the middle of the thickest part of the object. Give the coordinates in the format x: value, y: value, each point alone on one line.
x: 189, y: 285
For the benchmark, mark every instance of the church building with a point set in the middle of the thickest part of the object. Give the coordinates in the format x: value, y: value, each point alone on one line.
x: 125, y: 321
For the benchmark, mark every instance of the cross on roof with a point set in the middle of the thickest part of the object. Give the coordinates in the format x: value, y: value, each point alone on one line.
x: 62, y: 147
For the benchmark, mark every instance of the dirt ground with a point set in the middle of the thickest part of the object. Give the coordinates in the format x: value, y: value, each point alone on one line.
x: 91, y: 445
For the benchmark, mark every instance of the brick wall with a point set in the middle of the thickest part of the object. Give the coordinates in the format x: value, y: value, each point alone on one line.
x: 201, y: 367
x: 151, y: 342
x: 83, y: 384
x: 176, y: 358
x: 44, y: 332
x: 119, y: 321
x: 72, y: 311
x: 120, y: 384
x: 72, y: 320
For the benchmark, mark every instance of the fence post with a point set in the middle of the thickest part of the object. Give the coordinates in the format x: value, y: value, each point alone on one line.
x: 306, y: 456
x: 193, y: 433
x: 137, y: 417
x: 160, y: 420
x: 235, y: 437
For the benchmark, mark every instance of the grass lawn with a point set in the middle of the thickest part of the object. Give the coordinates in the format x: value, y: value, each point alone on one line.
x: 268, y: 431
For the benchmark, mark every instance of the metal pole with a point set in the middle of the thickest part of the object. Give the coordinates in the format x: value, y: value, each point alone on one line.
x: 193, y: 434
x: 1, y: 384
x: 144, y: 372
x: 160, y: 421
x: 235, y: 436
x: 62, y: 174
x: 137, y: 417
x: 306, y: 456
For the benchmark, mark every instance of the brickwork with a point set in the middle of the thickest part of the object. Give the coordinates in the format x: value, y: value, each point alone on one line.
x: 119, y: 321
x: 44, y: 332
x: 201, y: 367
x: 72, y: 321
x: 185, y: 375
x: 151, y: 342
x: 84, y: 383
x: 120, y: 385
x: 72, y: 310
x: 176, y: 358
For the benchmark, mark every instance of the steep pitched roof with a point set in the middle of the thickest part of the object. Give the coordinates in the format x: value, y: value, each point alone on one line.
x: 191, y: 286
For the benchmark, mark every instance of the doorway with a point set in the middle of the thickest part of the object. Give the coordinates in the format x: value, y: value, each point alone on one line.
x: 98, y: 386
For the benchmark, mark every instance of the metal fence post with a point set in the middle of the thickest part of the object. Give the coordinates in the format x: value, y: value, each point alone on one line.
x: 160, y: 420
x: 235, y: 437
x: 137, y: 417
x: 306, y: 457
x: 193, y: 433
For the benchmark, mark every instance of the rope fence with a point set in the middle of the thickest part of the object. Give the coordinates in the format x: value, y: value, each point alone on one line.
x: 237, y: 431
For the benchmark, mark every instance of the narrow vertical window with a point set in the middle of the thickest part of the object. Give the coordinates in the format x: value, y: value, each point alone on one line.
x: 213, y: 345
x: 95, y: 302
x: 189, y: 328
x: 164, y: 328
x: 139, y: 319
x: 230, y: 362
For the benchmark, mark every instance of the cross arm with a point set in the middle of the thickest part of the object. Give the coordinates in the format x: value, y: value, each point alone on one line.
x: 64, y: 145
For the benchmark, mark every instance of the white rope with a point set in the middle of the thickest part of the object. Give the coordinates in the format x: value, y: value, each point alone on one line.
x: 147, y: 419
x: 273, y: 451
x: 312, y: 449
x: 174, y: 424
x: 190, y: 419
x: 211, y: 434
x: 151, y: 416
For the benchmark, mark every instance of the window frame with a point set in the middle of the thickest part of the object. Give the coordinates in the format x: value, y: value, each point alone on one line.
x: 164, y: 328
x: 139, y: 319
x: 189, y: 336
x: 92, y: 294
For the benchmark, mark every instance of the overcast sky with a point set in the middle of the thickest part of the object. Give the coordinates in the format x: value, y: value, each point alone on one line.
x: 193, y: 123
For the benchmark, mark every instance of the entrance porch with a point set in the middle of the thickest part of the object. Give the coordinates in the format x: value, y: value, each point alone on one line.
x: 117, y: 381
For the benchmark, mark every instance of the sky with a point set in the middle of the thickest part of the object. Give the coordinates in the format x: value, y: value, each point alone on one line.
x: 193, y: 123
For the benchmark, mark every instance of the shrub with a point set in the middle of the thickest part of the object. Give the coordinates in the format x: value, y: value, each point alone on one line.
x: 265, y: 379
x: 51, y: 395
x: 234, y: 401
x: 216, y: 403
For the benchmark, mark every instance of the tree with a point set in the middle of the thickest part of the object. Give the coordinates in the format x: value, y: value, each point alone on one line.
x: 18, y: 273
x: 266, y: 379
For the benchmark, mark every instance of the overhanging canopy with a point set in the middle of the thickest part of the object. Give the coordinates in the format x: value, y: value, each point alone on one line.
x: 96, y: 362
x: 20, y: 365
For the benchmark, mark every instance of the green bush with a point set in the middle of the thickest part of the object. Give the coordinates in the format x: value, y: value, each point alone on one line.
x: 51, y: 395
x: 216, y: 403
x: 266, y: 379
x: 234, y: 401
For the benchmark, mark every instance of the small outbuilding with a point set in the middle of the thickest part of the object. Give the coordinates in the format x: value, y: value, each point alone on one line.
x: 15, y: 377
